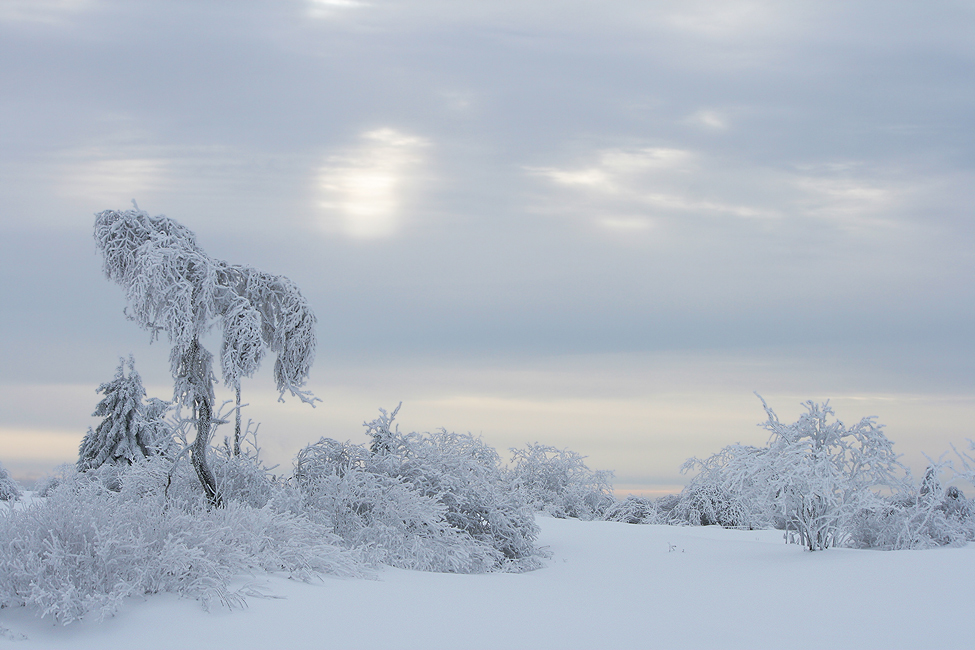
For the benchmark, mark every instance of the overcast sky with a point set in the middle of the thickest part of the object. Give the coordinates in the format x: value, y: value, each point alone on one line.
x: 599, y: 225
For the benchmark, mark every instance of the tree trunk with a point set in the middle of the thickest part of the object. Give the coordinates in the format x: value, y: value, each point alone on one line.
x: 199, y: 451
x: 237, y: 424
x: 194, y: 372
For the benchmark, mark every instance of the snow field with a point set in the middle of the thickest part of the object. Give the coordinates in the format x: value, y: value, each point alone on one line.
x: 607, y: 585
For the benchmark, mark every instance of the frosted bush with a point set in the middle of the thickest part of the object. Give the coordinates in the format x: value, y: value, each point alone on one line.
x: 85, y: 548
x: 826, y: 484
x: 240, y: 473
x: 730, y: 489
x: 708, y: 504
x: 812, y: 478
x: 410, y: 497
x: 391, y: 521
x: 327, y: 457
x: 823, y: 471
x: 558, y: 482
x: 465, y: 475
x: 9, y: 490
x: 666, y: 504
x: 913, y: 518
x: 393, y: 524
x: 45, y: 486
x: 634, y: 510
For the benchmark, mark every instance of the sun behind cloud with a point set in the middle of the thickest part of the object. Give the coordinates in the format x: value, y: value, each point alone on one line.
x: 365, y: 188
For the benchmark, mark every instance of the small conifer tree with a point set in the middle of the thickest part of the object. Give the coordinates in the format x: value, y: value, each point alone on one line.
x: 130, y: 429
x: 9, y: 490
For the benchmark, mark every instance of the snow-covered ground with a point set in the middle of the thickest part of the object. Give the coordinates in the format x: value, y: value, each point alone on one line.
x: 607, y: 585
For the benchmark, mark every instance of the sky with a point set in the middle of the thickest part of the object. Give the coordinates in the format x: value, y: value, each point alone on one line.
x: 595, y: 225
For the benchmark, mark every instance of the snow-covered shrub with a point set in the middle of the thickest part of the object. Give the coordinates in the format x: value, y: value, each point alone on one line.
x: 85, y: 548
x: 9, y: 490
x: 412, y: 496
x: 558, y: 482
x: 392, y: 523
x: 130, y: 429
x: 666, y: 505
x: 466, y: 476
x: 915, y: 517
x: 812, y: 477
x: 327, y: 457
x: 240, y: 473
x: 823, y: 471
x: 708, y: 504
x: 634, y: 510
x: 730, y: 490
x: 45, y: 486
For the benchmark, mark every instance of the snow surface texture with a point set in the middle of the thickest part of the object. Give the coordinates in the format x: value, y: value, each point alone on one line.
x: 608, y: 585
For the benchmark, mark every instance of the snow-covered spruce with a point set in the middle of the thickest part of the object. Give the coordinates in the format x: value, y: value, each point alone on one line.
x: 9, y: 490
x: 173, y: 286
x: 131, y: 429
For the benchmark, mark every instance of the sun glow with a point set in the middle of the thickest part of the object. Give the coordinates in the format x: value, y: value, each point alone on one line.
x: 364, y: 189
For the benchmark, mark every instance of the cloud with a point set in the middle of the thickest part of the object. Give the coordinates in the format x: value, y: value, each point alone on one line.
x: 733, y: 19
x: 849, y: 202
x: 97, y: 176
x: 626, y: 224
x: 632, y: 188
x: 42, y: 11
x: 329, y: 8
x: 642, y: 176
x: 709, y: 120
x: 366, y: 188
x: 457, y: 101
x: 627, y: 187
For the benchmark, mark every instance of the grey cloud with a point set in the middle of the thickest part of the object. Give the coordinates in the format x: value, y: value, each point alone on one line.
x: 819, y: 197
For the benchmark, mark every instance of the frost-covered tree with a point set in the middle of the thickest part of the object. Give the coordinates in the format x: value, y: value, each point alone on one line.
x: 130, y: 429
x: 824, y: 470
x: 812, y: 478
x: 173, y: 286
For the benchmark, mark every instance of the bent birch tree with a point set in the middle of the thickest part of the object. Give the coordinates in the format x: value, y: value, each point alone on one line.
x: 173, y: 286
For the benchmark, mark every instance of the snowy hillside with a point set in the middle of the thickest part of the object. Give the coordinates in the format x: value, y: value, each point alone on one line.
x: 607, y: 585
